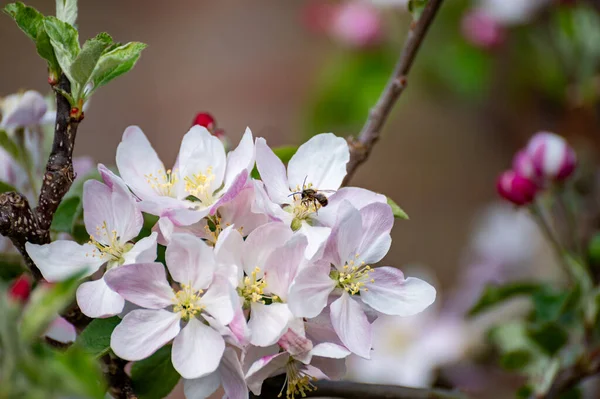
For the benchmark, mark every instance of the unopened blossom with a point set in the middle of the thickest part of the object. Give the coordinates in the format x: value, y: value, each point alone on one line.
x: 482, y: 30
x: 208, y: 121
x: 523, y: 165
x: 359, y: 239
x: 202, y: 179
x: 356, y: 24
x: 112, y: 220
x: 229, y: 375
x: 515, y: 188
x: 262, y: 267
x: 182, y: 315
x: 22, y: 110
x: 552, y: 157
x: 302, y: 359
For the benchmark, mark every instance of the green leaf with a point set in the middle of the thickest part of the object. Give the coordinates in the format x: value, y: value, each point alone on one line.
x: 27, y: 18
x: 11, y: 147
x: 116, y: 62
x: 550, y: 337
x: 6, y: 188
x: 549, y: 305
x: 285, y: 153
x: 11, y: 266
x: 515, y: 360
x: 45, y: 303
x: 496, y: 294
x: 65, y: 42
x: 83, y: 66
x: 67, y: 213
x: 416, y: 7
x: 95, y: 339
x: 66, y: 11
x: 396, y: 210
x: 154, y: 377
x: 79, y: 373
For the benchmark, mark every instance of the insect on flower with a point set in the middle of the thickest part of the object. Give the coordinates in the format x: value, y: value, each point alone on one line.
x: 309, y: 195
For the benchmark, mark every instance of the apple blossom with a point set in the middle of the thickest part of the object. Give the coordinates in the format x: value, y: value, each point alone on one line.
x: 203, y: 178
x: 319, y: 164
x: 359, y: 239
x: 229, y: 375
x: 262, y: 268
x: 112, y: 219
x: 197, y: 347
x: 22, y: 110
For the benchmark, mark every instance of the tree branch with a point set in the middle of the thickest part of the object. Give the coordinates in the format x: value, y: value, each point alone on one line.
x: 356, y: 390
x: 568, y: 378
x: 360, y: 148
x: 120, y: 385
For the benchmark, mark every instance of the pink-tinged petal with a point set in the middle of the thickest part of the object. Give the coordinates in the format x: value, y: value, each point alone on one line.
x: 165, y: 229
x: 62, y: 259
x: 317, y: 239
x: 136, y: 159
x: 220, y: 300
x: 330, y: 350
x: 182, y: 216
x: 144, y: 251
x: 294, y: 343
x: 232, y: 376
x: 272, y: 173
x: 309, y: 292
x: 268, y: 322
x: 160, y: 206
x: 229, y: 247
x: 264, y: 368
x: 203, y: 387
x: 109, y: 178
x: 239, y: 327
x: 29, y: 110
x: 334, y: 369
x: 261, y: 242
x: 96, y: 299
x: 239, y: 212
x: 282, y: 266
x: 264, y: 205
x: 62, y: 331
x: 127, y: 219
x: 377, y: 223
x: 392, y: 294
x: 82, y: 166
x: 200, y: 151
x: 321, y: 161
x: 190, y: 260
x: 142, y: 332
x: 97, y: 202
x: 197, y: 350
x: 144, y: 284
x: 231, y: 192
x: 345, y: 236
x: 240, y: 160
x: 351, y: 325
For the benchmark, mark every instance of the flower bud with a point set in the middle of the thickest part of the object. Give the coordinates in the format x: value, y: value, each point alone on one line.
x: 357, y: 24
x: 20, y: 289
x: 523, y: 165
x: 204, y: 119
x: 553, y: 158
x: 481, y: 30
x: 516, y: 188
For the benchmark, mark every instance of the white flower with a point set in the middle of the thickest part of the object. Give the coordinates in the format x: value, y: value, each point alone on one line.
x: 22, y: 110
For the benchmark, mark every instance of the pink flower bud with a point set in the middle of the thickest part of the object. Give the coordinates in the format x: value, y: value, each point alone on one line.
x: 204, y: 119
x: 20, y: 289
x: 523, y: 165
x: 481, y: 30
x: 553, y: 158
x: 356, y: 24
x: 516, y: 188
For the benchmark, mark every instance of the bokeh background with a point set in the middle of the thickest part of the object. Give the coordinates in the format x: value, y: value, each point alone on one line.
x: 481, y: 86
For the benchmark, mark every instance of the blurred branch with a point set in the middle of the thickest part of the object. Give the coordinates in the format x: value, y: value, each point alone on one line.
x: 360, y: 148
x: 568, y: 378
x: 18, y: 221
x: 120, y: 385
x: 356, y: 390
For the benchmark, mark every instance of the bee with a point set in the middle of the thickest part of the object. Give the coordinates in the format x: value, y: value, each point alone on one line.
x: 311, y: 196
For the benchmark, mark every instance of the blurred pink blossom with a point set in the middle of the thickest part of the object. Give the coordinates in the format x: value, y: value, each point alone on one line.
x: 357, y: 24
x: 482, y: 30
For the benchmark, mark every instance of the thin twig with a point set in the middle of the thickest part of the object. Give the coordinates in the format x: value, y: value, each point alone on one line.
x: 356, y: 390
x: 570, y: 377
x: 360, y: 148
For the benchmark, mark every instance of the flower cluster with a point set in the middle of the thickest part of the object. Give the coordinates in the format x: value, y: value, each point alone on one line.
x: 546, y: 159
x: 258, y: 278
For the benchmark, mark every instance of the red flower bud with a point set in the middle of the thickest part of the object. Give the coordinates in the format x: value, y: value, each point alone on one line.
x: 20, y: 289
x: 553, y: 158
x: 204, y: 119
x: 523, y: 165
x: 516, y: 188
